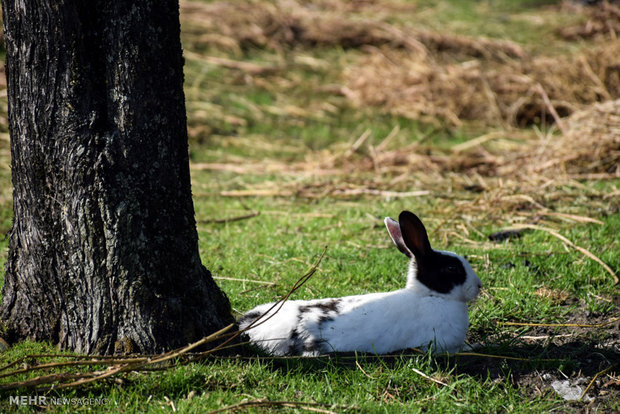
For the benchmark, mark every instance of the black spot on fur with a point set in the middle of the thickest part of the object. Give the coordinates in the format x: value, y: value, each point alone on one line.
x: 440, y: 272
x: 315, y: 345
x: 249, y: 317
x: 296, y: 345
x: 328, y: 306
x: 325, y: 318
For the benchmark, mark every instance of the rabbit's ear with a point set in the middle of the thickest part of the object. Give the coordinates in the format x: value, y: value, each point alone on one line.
x: 414, y: 235
x: 397, y: 237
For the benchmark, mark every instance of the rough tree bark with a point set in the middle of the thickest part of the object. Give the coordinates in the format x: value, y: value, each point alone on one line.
x: 103, y: 253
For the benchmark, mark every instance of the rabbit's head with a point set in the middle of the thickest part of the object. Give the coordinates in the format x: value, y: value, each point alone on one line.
x: 432, y: 272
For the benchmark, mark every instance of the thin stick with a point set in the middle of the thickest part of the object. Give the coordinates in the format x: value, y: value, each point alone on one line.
x: 550, y: 107
x: 574, y: 246
x: 213, y: 337
x: 236, y: 279
x: 574, y: 217
x: 256, y: 193
x: 561, y: 325
x: 72, y: 364
x: 363, y: 372
x: 231, y: 219
x: 311, y: 406
x: 598, y: 374
x: 392, y: 134
x: 10, y: 364
x: 162, y: 358
x: 505, y: 357
x: 300, y: 282
x: 382, y: 193
x: 46, y: 379
x: 436, y: 381
x: 478, y: 141
x: 358, y: 143
x: 251, y: 68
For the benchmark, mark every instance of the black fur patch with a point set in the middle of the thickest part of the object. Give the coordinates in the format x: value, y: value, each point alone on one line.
x: 440, y: 272
x: 315, y: 345
x: 326, y: 307
x: 296, y: 345
x: 325, y: 318
x: 249, y: 317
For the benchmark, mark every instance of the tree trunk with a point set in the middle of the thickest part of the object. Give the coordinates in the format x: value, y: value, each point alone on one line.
x: 103, y: 252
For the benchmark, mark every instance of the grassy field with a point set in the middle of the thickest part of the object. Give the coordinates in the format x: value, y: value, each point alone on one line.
x: 322, y: 117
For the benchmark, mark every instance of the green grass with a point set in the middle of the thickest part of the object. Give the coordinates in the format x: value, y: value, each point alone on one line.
x: 283, y: 119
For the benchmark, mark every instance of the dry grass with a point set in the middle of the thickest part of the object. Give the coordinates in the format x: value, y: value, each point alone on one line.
x: 493, y: 93
x: 601, y: 21
x: 417, y: 73
x: 445, y: 79
x: 290, y: 23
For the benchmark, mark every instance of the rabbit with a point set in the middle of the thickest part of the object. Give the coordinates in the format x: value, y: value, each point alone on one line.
x: 430, y: 312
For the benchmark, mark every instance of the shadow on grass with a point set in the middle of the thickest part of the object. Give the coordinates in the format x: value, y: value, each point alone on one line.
x: 531, y: 367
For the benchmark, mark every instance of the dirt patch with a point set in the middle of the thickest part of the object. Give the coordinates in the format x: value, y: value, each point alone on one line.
x: 542, y: 359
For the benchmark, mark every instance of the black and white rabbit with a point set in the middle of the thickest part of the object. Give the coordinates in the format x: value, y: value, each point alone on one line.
x: 431, y: 311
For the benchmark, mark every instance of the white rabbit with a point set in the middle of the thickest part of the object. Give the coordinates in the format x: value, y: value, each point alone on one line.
x: 431, y: 311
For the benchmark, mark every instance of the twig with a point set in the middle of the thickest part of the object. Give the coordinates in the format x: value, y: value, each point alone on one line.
x: 574, y: 246
x: 10, y: 364
x: 118, y: 365
x: 383, y: 144
x: 549, y: 105
x: 248, y: 67
x: 574, y: 217
x: 231, y: 219
x: 382, y: 193
x: 598, y: 374
x: 436, y: 381
x: 358, y: 143
x: 45, y: 379
x: 71, y: 364
x: 236, y: 279
x: 539, y: 337
x: 309, y: 406
x: 164, y: 357
x: 561, y: 325
x: 478, y: 141
x: 364, y: 372
x: 477, y: 354
x: 300, y: 282
x: 256, y: 193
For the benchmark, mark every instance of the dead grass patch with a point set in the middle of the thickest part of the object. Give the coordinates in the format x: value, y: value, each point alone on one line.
x: 601, y: 21
x: 289, y: 23
x: 492, y: 93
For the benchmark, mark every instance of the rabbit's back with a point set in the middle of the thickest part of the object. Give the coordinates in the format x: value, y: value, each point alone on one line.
x: 393, y: 321
x: 376, y: 323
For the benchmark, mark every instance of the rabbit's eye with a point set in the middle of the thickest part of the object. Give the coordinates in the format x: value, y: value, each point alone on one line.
x: 451, y: 269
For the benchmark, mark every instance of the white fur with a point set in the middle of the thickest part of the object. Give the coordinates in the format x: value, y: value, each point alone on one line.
x: 413, y: 317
